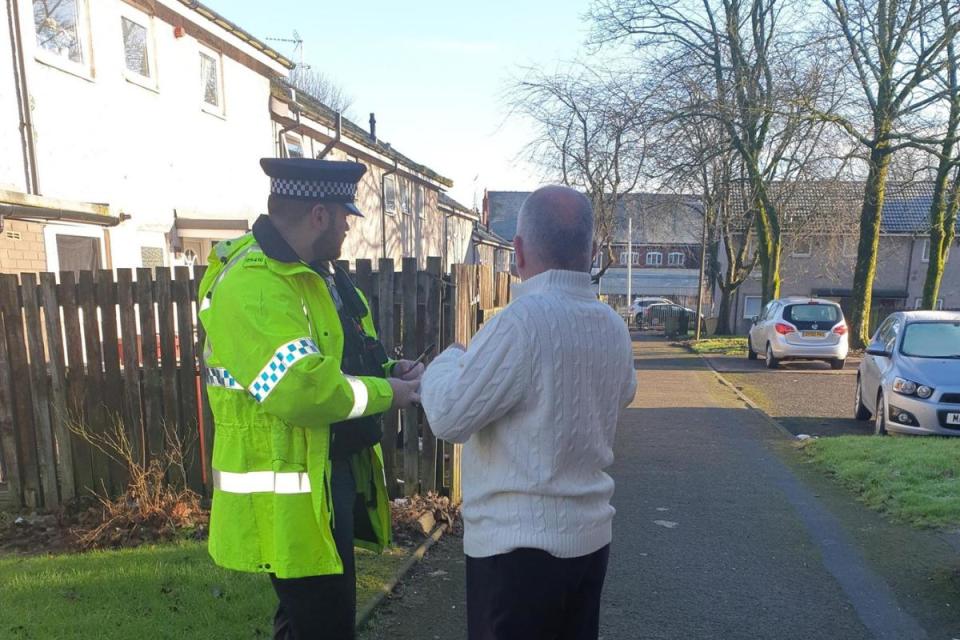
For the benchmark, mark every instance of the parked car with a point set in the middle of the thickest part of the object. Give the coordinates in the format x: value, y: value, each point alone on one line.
x: 909, y: 380
x: 799, y: 328
x: 640, y: 305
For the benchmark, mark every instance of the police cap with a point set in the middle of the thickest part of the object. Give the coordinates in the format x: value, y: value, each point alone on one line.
x: 317, y: 180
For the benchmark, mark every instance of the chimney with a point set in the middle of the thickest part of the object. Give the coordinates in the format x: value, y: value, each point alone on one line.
x: 373, y: 127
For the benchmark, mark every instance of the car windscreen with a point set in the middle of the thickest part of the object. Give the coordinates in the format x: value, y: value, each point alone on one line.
x: 931, y: 340
x: 805, y: 316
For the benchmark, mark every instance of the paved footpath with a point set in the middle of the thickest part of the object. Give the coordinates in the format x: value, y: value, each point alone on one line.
x: 718, y: 535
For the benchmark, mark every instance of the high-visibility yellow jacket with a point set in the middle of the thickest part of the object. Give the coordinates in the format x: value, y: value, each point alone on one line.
x: 273, y: 353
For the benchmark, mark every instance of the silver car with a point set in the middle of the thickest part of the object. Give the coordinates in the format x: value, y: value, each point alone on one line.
x: 799, y: 328
x: 909, y: 379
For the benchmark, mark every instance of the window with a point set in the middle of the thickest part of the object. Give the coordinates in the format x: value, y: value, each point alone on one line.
x: 294, y: 147
x: 926, y: 250
x: 676, y: 259
x: 406, y: 197
x: 136, y: 49
x: 850, y: 245
x: 390, y: 193
x: 151, y: 256
x: 60, y: 26
x: 634, y: 257
x: 211, y: 82
x: 918, y: 304
x: 654, y: 258
x: 419, y: 202
x: 751, y: 307
x: 802, y: 248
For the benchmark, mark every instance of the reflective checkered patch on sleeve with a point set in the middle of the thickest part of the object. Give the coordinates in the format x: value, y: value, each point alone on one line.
x: 285, y: 357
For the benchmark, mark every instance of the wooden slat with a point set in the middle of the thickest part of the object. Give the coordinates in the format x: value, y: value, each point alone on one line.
x: 132, y: 397
x: 486, y: 287
x: 386, y: 333
x: 462, y: 309
x: 8, y: 424
x: 207, y: 426
x: 58, y: 386
x: 46, y: 454
x: 97, y: 297
x: 189, y: 433
x: 168, y: 349
x: 364, y: 279
x: 152, y: 386
x: 411, y: 417
x: 76, y: 382
x: 431, y: 325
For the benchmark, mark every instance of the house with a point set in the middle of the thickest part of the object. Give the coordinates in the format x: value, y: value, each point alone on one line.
x: 400, y: 198
x: 666, y: 244
x: 132, y: 132
x: 820, y: 249
x: 471, y: 241
x: 129, y: 132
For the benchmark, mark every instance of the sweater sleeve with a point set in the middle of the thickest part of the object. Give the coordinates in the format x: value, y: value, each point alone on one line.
x: 630, y: 377
x: 464, y: 391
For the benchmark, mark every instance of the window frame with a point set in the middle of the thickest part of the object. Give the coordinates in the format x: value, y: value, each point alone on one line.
x: 918, y: 304
x: 678, y: 263
x: 658, y: 263
x: 420, y: 202
x: 406, y: 198
x: 84, y: 68
x: 220, y: 111
x: 390, y: 205
x: 634, y: 257
x: 293, y: 138
x: 144, y: 20
x: 854, y: 241
x: 925, y: 250
x: 50, y: 233
x: 795, y: 253
x: 760, y: 310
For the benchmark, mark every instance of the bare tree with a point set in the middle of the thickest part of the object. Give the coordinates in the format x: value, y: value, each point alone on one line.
x: 590, y: 132
x: 946, y: 189
x: 896, y: 49
x: 757, y: 70
x: 321, y: 87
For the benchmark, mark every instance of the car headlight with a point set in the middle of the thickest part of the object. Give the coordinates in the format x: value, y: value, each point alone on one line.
x: 910, y: 388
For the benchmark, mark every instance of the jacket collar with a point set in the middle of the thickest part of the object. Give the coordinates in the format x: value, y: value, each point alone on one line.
x: 575, y: 283
x: 275, y: 247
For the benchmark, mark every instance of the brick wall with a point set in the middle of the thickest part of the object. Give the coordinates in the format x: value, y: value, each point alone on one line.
x: 22, y: 248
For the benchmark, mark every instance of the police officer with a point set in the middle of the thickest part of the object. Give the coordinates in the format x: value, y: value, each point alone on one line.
x: 297, y: 382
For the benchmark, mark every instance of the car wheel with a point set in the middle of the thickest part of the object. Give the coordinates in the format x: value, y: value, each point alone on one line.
x: 860, y: 410
x: 836, y: 364
x: 751, y: 354
x: 772, y: 362
x: 880, y: 418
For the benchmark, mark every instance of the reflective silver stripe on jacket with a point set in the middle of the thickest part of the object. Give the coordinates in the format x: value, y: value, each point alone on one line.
x: 360, y: 397
x: 261, y: 482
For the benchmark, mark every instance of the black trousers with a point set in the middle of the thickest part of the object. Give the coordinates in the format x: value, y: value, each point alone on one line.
x: 528, y: 594
x: 323, y: 607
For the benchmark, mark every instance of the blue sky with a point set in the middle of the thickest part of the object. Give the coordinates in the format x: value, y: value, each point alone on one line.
x: 434, y: 72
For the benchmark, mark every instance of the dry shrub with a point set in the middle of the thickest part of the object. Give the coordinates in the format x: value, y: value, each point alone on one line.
x: 156, y: 505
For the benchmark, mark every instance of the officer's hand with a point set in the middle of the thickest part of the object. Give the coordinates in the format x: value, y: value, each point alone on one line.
x: 406, y: 393
x: 408, y: 370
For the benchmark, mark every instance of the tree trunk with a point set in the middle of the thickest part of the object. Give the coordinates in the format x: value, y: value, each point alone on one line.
x: 943, y: 220
x: 724, y: 324
x: 866, y: 269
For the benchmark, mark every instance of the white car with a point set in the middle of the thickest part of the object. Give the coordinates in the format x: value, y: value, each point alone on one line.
x: 640, y: 305
x: 910, y: 377
x: 799, y: 328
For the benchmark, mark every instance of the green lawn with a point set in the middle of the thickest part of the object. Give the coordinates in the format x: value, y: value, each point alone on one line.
x: 172, y: 591
x: 912, y: 479
x: 732, y: 346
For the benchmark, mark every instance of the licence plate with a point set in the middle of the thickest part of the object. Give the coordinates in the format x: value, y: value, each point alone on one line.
x: 814, y: 334
x: 953, y: 418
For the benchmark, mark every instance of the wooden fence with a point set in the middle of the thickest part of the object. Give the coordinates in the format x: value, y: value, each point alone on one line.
x: 94, y: 348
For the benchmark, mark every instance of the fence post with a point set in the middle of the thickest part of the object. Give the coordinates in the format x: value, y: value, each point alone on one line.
x: 168, y: 349
x: 411, y: 417
x: 390, y: 423
x: 58, y: 394
x: 133, y: 398
x: 8, y: 423
x: 432, y: 320
x: 151, y: 386
x: 189, y: 418
x: 111, y: 400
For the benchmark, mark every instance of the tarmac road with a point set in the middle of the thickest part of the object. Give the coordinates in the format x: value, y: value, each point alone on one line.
x: 719, y: 535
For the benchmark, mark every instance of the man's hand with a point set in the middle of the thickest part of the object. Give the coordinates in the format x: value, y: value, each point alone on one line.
x: 406, y: 393
x: 408, y: 370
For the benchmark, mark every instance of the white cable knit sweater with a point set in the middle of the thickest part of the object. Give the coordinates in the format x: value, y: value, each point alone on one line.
x: 536, y: 398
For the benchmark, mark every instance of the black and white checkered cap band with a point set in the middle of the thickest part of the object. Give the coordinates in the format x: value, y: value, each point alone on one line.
x: 337, y: 191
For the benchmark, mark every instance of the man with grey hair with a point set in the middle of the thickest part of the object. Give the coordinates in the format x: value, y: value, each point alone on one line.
x: 536, y: 398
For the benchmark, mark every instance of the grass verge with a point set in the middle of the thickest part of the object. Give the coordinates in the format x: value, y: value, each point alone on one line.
x: 169, y: 591
x: 915, y: 480
x: 729, y: 346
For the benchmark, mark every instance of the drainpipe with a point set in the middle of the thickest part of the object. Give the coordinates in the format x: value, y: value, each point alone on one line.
x: 336, y: 138
x: 293, y: 127
x: 383, y: 207
x: 31, y: 173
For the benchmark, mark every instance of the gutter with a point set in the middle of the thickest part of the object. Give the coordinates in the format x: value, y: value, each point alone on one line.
x: 31, y: 172
x: 383, y: 208
x: 21, y: 212
x: 336, y: 138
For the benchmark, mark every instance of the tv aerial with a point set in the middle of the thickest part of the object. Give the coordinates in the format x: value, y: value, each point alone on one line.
x: 297, y: 43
